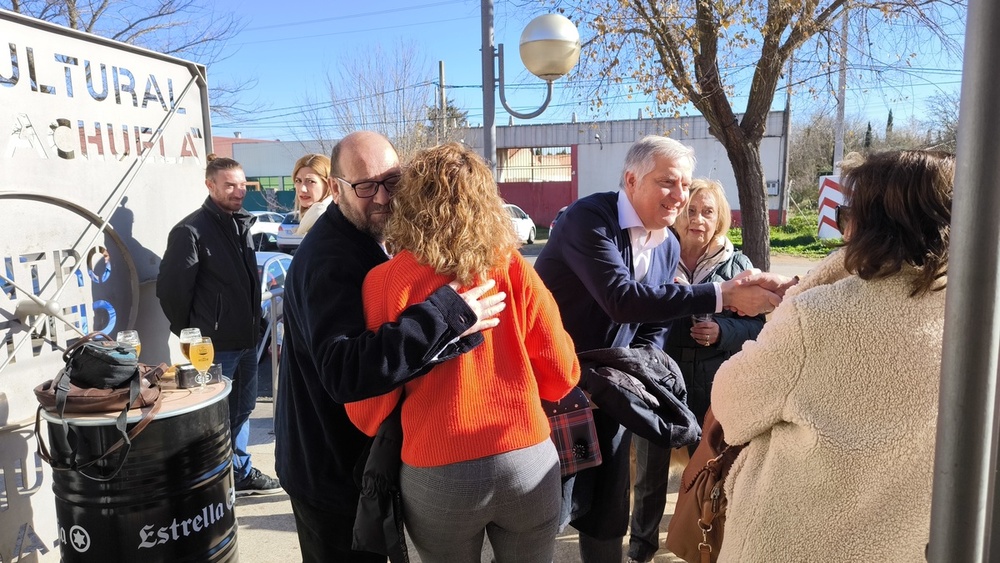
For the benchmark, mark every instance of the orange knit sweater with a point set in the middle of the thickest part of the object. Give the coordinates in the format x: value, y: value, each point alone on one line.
x: 486, y: 401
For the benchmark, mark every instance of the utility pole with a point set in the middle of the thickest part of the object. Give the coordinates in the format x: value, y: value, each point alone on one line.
x: 489, y: 87
x: 443, y: 112
x: 838, y: 141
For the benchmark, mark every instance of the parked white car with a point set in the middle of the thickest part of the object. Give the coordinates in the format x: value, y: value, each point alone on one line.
x: 265, y: 230
x: 523, y: 224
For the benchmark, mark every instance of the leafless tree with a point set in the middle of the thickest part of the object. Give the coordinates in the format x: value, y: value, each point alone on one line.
x: 379, y: 89
x: 942, y: 120
x: 810, y: 149
x: 712, y: 53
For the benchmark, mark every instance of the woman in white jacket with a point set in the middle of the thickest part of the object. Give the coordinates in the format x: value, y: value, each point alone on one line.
x: 838, y: 396
x: 311, y: 177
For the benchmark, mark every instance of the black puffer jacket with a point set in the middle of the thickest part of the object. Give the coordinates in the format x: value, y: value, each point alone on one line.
x: 699, y: 363
x: 208, y: 277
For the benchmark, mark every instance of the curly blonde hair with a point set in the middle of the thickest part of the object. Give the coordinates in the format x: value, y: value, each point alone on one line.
x: 447, y: 211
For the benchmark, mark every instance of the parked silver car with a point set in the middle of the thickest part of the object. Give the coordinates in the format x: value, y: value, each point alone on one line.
x: 287, y: 239
x: 272, y: 267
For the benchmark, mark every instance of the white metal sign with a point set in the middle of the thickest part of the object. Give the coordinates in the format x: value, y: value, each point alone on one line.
x: 102, y: 150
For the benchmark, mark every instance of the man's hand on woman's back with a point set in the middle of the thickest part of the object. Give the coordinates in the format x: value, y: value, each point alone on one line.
x: 486, y: 309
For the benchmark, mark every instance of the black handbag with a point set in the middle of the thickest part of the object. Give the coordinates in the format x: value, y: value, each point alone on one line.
x: 95, y: 361
x: 573, y: 432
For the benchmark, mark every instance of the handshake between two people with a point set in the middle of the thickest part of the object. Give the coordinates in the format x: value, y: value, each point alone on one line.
x: 750, y: 293
x: 753, y: 292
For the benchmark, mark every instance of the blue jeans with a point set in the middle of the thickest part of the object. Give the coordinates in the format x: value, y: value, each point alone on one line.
x: 241, y: 367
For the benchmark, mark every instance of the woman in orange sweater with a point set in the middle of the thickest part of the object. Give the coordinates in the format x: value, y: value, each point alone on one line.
x: 477, y: 457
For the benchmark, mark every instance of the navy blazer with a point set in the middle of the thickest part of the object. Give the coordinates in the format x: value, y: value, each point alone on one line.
x: 587, y: 265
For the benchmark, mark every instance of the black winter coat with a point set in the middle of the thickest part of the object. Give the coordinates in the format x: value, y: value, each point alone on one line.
x: 699, y: 363
x: 208, y: 277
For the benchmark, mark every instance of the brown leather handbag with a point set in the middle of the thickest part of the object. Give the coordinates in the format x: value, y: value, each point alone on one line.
x: 695, y: 530
x: 67, y: 394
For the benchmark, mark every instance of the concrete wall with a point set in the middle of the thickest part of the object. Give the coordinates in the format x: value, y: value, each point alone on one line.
x: 276, y: 158
x: 600, y: 169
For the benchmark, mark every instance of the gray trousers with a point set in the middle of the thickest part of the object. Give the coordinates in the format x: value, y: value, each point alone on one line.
x: 513, y: 497
x: 652, y: 463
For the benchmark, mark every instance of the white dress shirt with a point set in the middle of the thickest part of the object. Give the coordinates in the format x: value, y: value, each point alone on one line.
x: 644, y: 241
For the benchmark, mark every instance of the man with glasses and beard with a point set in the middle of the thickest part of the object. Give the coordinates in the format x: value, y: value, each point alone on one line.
x: 328, y: 358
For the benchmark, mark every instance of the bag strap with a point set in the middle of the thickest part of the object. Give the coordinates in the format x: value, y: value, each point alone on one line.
x: 123, y: 445
x: 719, y: 466
x: 43, y: 452
x: 83, y: 340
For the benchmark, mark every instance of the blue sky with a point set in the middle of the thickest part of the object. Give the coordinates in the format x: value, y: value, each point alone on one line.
x: 292, y: 50
x: 291, y: 46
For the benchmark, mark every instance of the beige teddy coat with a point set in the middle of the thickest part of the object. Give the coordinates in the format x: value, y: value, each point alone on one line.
x: 838, y: 400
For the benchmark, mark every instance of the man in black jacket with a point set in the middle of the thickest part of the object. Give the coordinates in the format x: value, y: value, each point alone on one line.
x: 328, y: 358
x: 208, y: 280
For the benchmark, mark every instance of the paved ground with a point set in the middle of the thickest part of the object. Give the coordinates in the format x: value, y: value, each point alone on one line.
x: 266, y: 524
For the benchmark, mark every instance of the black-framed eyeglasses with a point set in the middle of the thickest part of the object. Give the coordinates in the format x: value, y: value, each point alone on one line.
x: 368, y: 188
x: 841, y: 214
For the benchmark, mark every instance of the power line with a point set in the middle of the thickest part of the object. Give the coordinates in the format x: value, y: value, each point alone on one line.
x: 354, y: 16
x: 352, y: 31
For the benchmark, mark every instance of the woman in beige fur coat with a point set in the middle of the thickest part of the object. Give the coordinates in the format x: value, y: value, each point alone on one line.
x: 838, y: 396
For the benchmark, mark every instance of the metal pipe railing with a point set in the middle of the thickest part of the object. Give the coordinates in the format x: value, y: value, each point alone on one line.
x: 273, y: 298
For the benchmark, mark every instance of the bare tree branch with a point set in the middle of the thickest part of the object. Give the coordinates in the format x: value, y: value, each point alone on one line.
x: 708, y: 52
x: 377, y: 89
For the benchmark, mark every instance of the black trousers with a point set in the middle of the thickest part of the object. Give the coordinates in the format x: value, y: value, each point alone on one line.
x: 325, y: 535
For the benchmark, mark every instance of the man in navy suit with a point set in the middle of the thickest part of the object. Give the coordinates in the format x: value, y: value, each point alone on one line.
x: 610, y: 265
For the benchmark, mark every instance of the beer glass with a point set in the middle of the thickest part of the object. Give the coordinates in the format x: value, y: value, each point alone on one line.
x: 188, y: 335
x: 202, y: 353
x: 130, y: 337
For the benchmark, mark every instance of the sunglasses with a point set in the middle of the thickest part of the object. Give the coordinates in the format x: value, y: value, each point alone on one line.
x: 841, y: 215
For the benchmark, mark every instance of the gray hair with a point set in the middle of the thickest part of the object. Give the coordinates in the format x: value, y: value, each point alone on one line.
x: 642, y: 154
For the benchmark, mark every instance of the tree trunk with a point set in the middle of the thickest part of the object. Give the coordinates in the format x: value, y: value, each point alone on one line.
x: 744, y: 154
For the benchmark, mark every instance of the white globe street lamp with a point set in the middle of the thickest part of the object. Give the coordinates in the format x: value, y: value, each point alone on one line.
x: 549, y: 46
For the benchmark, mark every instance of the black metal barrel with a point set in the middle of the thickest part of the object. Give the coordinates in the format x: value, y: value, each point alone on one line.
x: 173, y: 501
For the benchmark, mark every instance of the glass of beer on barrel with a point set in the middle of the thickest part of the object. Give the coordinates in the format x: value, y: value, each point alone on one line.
x: 188, y: 335
x: 130, y: 337
x: 202, y: 353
